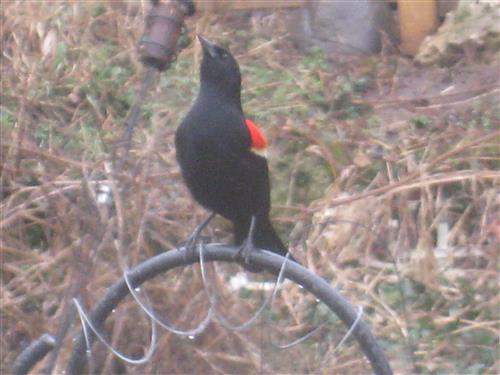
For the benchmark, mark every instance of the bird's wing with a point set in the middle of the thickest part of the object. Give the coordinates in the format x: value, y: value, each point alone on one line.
x: 249, y: 176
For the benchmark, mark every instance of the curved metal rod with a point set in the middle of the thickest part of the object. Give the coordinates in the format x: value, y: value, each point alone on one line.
x: 261, y: 258
x: 34, y: 353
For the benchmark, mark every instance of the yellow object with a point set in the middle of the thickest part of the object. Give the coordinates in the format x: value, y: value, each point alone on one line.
x: 417, y: 19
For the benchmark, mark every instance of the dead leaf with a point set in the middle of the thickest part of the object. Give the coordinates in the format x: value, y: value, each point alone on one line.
x: 49, y: 44
x: 361, y: 160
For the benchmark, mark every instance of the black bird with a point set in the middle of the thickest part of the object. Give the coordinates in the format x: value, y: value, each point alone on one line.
x: 214, y: 149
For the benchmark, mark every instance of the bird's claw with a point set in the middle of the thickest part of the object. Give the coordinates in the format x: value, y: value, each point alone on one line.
x: 246, y: 249
x: 190, y: 246
x: 190, y: 243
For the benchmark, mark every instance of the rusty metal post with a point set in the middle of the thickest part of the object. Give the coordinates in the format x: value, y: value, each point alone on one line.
x: 164, y: 24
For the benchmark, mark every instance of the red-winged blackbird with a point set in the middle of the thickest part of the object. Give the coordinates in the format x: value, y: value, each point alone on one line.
x: 214, y: 149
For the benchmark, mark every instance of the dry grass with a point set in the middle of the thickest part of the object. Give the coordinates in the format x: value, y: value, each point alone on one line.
x: 387, y: 183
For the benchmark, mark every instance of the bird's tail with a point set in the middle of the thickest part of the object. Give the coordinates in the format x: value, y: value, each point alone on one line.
x: 265, y: 237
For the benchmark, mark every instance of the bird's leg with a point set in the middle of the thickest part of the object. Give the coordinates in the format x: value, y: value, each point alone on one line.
x: 248, y: 245
x: 190, y: 243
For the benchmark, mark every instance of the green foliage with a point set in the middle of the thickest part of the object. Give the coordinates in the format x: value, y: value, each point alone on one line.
x: 35, y: 237
x: 319, y: 313
x: 180, y: 86
x: 86, y: 140
x: 373, y: 122
x: 391, y: 293
x: 292, y: 92
x: 314, y: 60
x: 41, y: 134
x: 98, y: 10
x: 7, y: 120
x: 106, y: 75
x: 61, y: 58
x: 273, y: 315
x: 349, y: 91
x: 245, y: 293
x: 462, y: 14
x: 422, y: 122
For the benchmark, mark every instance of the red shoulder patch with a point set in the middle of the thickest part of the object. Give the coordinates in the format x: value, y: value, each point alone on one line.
x: 258, y: 139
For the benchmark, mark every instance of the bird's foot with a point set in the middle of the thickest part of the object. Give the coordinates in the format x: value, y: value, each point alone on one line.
x: 190, y: 243
x: 246, y: 249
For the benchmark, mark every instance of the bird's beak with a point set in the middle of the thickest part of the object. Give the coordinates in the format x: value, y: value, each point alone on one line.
x: 208, y: 47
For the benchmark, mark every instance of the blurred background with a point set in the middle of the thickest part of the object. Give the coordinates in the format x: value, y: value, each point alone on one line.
x: 383, y: 124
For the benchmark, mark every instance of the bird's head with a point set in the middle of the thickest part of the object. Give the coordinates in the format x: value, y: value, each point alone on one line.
x: 219, y: 68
